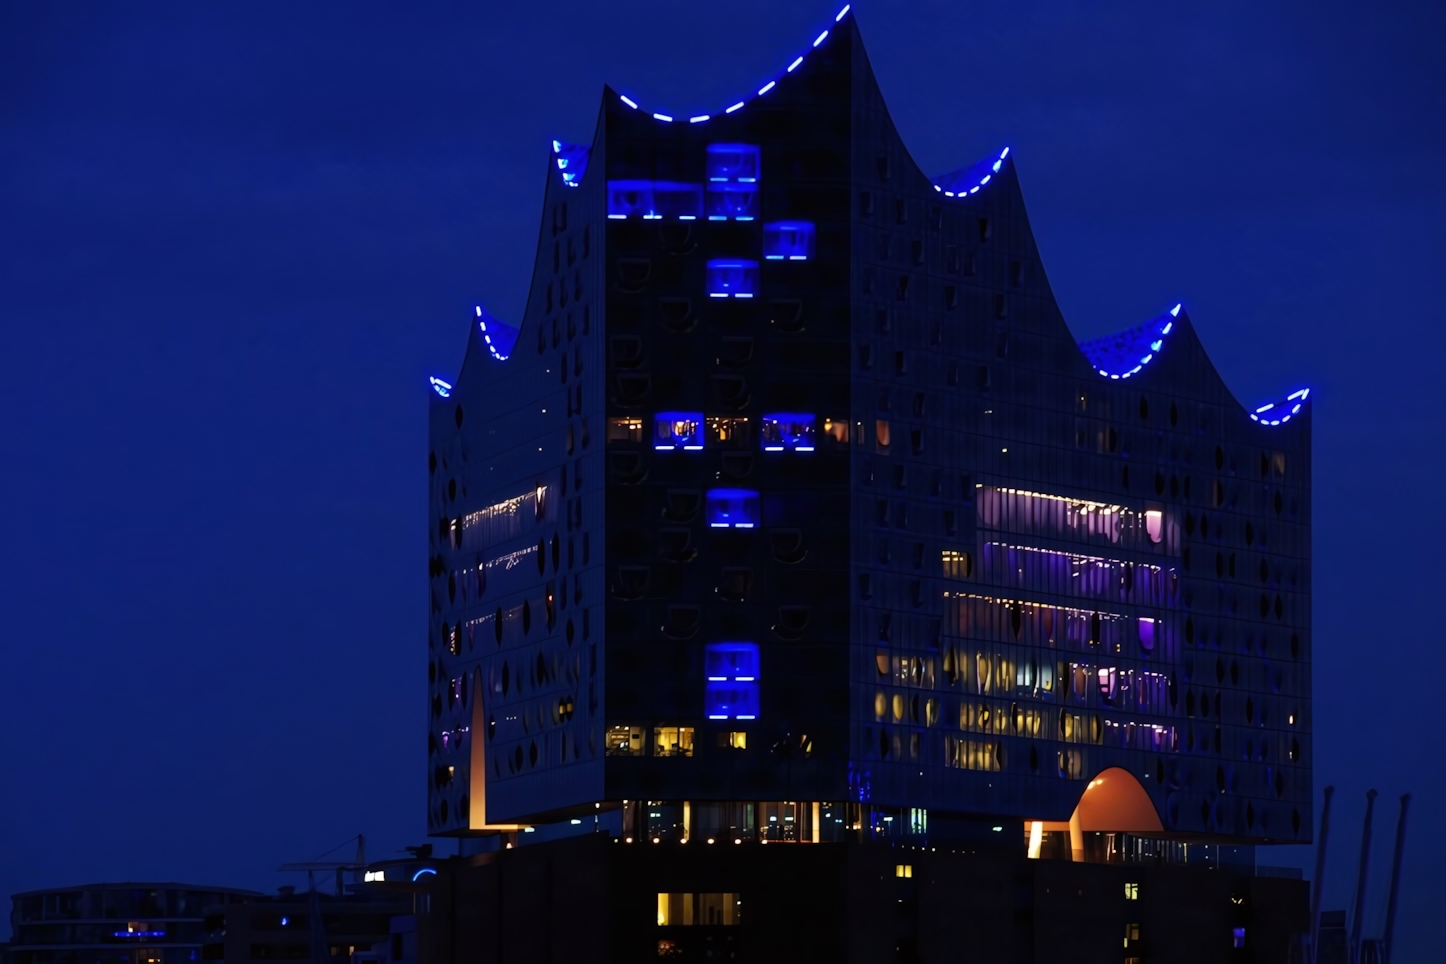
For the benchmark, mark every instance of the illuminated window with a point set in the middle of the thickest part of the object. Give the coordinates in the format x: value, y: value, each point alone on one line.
x: 732, y: 508
x: 837, y: 431
x: 1132, y: 933
x: 733, y: 162
x: 732, y: 278
x: 1147, y: 634
x: 1237, y: 937
x: 732, y: 200
x: 787, y: 431
x: 731, y: 662
x: 881, y: 433
x: 727, y: 431
x: 788, y: 240
x: 733, y: 739
x: 699, y: 910
x: 731, y: 701
x: 629, y: 198
x: 673, y: 741
x: 1155, y: 524
x: 654, y: 200
x: 625, y: 741
x: 974, y: 754
x: 678, y: 430
x: 625, y: 430
x: 1132, y: 892
x: 957, y: 565
x: 903, y: 870
x: 682, y: 201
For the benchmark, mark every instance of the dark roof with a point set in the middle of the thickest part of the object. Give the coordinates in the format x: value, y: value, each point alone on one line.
x: 139, y: 885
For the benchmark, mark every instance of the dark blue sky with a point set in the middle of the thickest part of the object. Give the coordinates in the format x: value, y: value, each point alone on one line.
x: 236, y: 238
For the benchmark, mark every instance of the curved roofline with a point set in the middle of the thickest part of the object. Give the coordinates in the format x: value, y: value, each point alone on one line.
x: 1278, y: 413
x: 793, y: 65
x: 1127, y: 352
x: 1115, y: 357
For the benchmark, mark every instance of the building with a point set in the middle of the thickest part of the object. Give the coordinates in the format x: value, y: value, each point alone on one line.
x: 791, y: 512
x: 288, y: 925
x: 122, y: 923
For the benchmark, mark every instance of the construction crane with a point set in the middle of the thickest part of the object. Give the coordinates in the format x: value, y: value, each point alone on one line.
x: 319, y: 862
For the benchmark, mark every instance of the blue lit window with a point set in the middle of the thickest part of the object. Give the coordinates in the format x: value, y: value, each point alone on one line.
x: 788, y: 431
x: 788, y: 240
x: 678, y: 430
x: 681, y: 201
x: 731, y: 662
x: 626, y: 198
x: 733, y: 162
x: 732, y: 508
x: 732, y: 278
x: 731, y: 701
x: 654, y: 200
x: 736, y: 201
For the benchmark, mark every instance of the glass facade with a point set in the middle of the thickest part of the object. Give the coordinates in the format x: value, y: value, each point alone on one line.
x: 774, y: 385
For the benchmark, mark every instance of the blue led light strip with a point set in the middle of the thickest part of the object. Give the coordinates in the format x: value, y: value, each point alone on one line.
x: 493, y: 345
x: 969, y: 180
x: 1278, y: 413
x: 704, y: 118
x: 1128, y: 352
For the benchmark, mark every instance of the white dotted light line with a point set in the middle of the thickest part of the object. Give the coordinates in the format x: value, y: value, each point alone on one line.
x: 703, y: 118
x: 994, y: 169
x: 1275, y: 413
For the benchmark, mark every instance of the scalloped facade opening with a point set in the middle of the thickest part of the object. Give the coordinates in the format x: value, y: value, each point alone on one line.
x: 975, y: 565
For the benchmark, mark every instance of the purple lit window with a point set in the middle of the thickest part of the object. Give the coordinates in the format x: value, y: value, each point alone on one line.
x: 788, y: 240
x: 1155, y: 525
x: 678, y: 430
x: 730, y: 201
x: 731, y: 701
x: 731, y: 662
x: 1108, y: 678
x: 732, y: 508
x: 654, y: 200
x: 788, y: 431
x: 731, y: 278
x: 1147, y: 634
x: 733, y: 162
x: 1237, y: 937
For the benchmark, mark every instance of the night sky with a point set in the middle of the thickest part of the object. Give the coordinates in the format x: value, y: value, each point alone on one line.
x: 235, y: 239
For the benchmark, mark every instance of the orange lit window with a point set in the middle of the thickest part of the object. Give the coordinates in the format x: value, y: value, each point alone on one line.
x: 673, y: 741
x: 625, y: 430
x: 705, y: 910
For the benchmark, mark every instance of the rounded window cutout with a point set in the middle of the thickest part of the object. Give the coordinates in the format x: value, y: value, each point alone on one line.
x: 1155, y: 525
x: 1147, y: 630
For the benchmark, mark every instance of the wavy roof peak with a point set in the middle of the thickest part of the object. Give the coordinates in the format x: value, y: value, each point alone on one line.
x: 1127, y: 352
